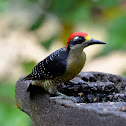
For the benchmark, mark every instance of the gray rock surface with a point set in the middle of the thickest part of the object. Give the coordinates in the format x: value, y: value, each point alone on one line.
x: 61, y: 112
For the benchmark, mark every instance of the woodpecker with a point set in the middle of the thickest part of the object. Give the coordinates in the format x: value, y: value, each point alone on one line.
x: 62, y: 65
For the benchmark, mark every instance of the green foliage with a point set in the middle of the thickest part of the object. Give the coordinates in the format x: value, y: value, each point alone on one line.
x: 32, y: 0
x: 9, y: 114
x: 116, y: 36
x: 37, y: 23
x: 61, y: 7
x: 47, y: 44
x: 28, y: 66
x: 71, y: 11
x: 107, y: 3
x: 80, y: 13
x: 3, y: 4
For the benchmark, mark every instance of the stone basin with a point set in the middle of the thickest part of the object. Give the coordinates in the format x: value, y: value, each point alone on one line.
x: 101, y: 101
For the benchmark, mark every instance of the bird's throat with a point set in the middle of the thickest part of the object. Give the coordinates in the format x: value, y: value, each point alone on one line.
x: 75, y: 63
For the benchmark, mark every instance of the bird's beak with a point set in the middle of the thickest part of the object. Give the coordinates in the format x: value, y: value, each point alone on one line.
x: 93, y: 41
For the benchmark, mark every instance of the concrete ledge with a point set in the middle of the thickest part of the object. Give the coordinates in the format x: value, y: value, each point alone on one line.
x: 67, y: 113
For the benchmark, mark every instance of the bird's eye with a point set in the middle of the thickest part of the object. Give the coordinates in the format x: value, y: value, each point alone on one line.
x: 79, y: 40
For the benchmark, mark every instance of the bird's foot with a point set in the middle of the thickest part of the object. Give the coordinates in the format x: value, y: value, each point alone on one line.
x: 63, y: 96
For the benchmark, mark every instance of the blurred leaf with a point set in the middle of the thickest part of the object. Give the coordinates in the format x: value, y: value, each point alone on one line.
x: 80, y: 13
x: 3, y: 5
x: 9, y: 114
x: 32, y: 0
x: 37, y: 23
x: 7, y: 90
x: 113, y: 13
x: 116, y: 36
x: 47, y: 44
x: 28, y: 66
x: 61, y: 6
x: 107, y: 3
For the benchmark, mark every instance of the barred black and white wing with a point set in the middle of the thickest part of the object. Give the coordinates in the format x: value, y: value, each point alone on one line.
x: 52, y: 66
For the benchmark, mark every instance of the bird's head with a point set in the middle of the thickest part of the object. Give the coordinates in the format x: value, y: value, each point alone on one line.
x: 81, y: 40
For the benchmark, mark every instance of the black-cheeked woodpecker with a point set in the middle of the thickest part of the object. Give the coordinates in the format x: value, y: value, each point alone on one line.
x: 62, y: 65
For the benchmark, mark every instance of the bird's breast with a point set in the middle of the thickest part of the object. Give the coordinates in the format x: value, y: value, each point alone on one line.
x: 75, y: 63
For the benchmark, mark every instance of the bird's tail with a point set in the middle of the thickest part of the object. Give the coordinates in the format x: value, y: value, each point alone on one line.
x: 28, y: 77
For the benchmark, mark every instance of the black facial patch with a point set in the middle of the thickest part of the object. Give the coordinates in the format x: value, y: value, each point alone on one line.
x: 77, y: 40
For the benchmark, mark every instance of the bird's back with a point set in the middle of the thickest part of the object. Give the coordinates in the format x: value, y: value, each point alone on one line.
x: 52, y: 66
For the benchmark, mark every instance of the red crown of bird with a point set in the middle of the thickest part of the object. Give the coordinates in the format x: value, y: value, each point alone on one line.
x: 82, y: 34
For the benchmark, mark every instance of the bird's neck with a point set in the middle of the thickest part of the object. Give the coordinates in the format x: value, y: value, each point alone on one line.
x: 76, y: 54
x: 75, y: 50
x: 75, y: 63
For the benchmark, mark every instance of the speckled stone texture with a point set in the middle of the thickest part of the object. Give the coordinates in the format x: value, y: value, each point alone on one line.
x: 61, y: 112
